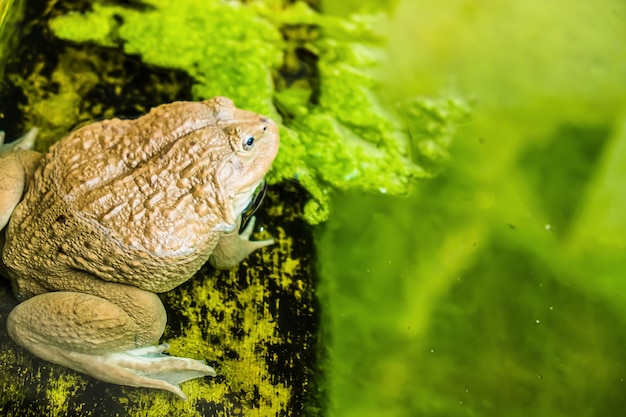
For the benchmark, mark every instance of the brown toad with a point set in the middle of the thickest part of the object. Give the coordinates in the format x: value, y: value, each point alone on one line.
x: 120, y: 210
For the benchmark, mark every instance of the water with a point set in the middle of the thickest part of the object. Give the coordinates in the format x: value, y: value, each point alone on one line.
x: 497, y: 288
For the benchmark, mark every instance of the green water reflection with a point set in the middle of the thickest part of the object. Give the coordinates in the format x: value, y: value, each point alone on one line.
x: 498, y: 288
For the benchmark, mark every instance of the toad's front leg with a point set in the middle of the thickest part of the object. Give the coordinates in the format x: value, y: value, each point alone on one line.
x: 17, y: 164
x: 234, y: 247
x: 108, y: 334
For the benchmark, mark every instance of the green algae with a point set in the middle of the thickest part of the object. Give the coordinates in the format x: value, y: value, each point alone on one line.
x: 337, y: 132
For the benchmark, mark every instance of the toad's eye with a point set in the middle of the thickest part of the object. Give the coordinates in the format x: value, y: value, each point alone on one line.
x: 248, y: 143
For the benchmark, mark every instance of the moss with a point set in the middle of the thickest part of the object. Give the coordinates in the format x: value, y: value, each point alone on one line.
x: 336, y: 133
x: 59, y: 390
x: 247, y: 371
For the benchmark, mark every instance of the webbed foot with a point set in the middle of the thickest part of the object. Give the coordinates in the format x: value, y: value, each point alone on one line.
x: 144, y: 368
x: 149, y: 367
x: 253, y: 244
x: 25, y: 143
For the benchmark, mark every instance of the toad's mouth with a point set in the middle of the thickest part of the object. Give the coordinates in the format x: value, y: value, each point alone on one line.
x: 253, y: 206
x: 243, y: 200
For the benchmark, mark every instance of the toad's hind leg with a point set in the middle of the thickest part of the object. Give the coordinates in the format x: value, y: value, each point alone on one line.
x: 110, y: 341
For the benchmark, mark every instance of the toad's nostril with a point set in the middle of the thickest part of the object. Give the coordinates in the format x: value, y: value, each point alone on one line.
x: 264, y: 119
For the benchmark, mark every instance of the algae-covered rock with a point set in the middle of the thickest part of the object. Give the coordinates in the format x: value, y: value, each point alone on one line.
x: 256, y: 325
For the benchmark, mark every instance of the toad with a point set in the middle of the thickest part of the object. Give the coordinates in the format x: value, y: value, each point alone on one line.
x: 119, y: 211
